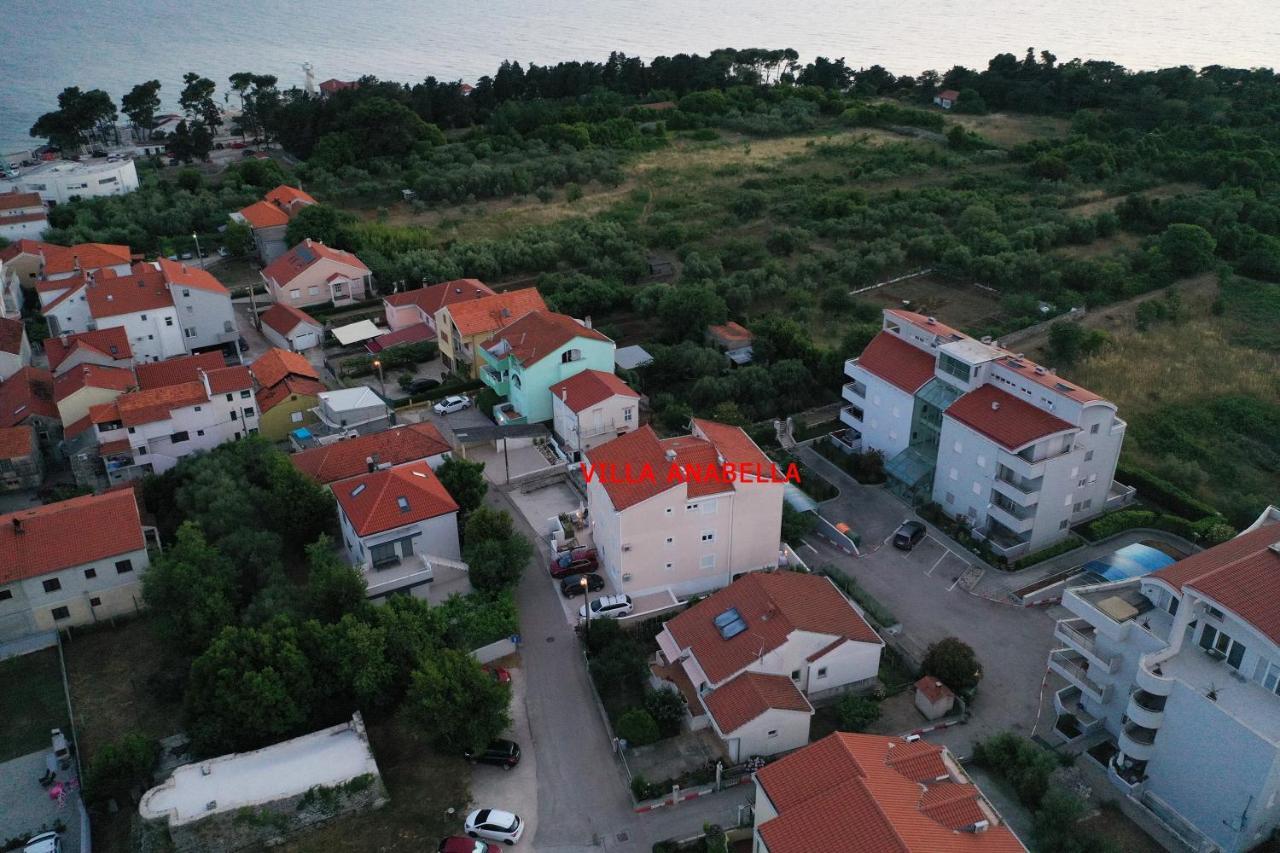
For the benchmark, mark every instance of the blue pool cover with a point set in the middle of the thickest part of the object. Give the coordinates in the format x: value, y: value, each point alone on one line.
x: 302, y: 433
x: 1131, y: 561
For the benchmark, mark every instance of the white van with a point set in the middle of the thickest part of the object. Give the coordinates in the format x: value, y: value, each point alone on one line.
x: 608, y: 607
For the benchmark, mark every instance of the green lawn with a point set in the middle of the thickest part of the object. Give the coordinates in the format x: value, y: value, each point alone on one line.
x: 31, y: 703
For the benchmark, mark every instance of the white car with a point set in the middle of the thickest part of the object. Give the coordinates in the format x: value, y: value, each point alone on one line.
x: 608, y: 607
x: 449, y: 405
x: 45, y: 842
x: 495, y: 825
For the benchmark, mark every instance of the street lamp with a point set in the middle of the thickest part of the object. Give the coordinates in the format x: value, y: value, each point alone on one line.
x: 586, y: 596
x: 199, y: 258
x: 382, y: 386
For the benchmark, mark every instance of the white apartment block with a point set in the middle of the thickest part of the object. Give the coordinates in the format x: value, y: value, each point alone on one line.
x: 1180, y: 671
x: 61, y: 181
x: 149, y: 431
x: 685, y: 537
x: 1011, y: 447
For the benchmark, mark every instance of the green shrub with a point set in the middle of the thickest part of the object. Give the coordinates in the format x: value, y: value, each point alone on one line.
x: 642, y: 789
x: 667, y: 709
x: 1160, y: 491
x: 120, y: 765
x: 874, y: 610
x: 857, y: 713
x: 637, y: 727
x: 954, y: 663
x: 1021, y: 762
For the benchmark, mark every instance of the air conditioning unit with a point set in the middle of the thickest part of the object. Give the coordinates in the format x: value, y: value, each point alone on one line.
x: 626, y: 548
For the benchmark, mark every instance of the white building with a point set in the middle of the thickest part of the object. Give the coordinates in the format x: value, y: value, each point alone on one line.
x: 684, y: 536
x: 107, y: 347
x: 22, y: 216
x: 61, y: 181
x: 1180, y: 670
x: 749, y: 658
x: 356, y: 409
x: 291, y: 328
x: 15, y: 348
x: 1017, y: 451
x: 312, y: 273
x: 400, y: 528
x: 591, y: 408
x: 166, y: 308
x: 69, y: 563
x: 149, y: 431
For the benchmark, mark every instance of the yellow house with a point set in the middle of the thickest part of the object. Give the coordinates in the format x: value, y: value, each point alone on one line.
x: 463, y: 326
x: 288, y: 388
x: 87, y: 385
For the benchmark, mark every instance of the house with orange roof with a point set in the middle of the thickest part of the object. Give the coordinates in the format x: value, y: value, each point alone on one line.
x: 712, y: 509
x: 74, y: 562
x: 15, y: 348
x: 463, y: 326
x: 107, y: 347
x: 1018, y: 452
x: 1178, y: 670
x: 752, y: 657
x: 522, y: 361
x: 150, y: 430
x: 268, y: 219
x: 312, y: 273
x: 291, y: 328
x: 21, y: 463
x: 734, y: 340
x: 400, y: 529
x: 22, y: 215
x: 77, y: 390
x: 328, y: 463
x: 409, y: 308
x: 852, y: 793
x: 590, y: 408
x: 289, y: 388
x: 33, y: 260
x: 26, y: 399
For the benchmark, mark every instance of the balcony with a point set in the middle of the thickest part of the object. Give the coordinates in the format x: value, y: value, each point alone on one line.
x: 1119, y: 495
x: 852, y: 416
x: 849, y: 440
x: 855, y: 391
x: 1145, y: 709
x: 1081, y: 636
x: 1137, y: 742
x: 505, y: 414
x: 1017, y: 519
x: 1129, y: 777
x: 500, y: 384
x: 1017, y: 487
x: 1005, y: 542
x: 849, y: 365
x: 1074, y: 667
x: 1150, y: 676
x: 1074, y: 722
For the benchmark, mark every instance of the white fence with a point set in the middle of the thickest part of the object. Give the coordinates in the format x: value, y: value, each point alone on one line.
x: 493, y: 651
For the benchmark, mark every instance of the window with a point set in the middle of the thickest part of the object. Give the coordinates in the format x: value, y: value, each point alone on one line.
x: 822, y: 672
x: 244, y: 395
x: 168, y: 321
x: 313, y: 291
x: 95, y: 602
x: 384, y: 554
x: 1214, y: 612
x: 230, y: 397
x: 953, y: 367
x: 1207, y: 637
x: 670, y: 566
x: 123, y: 567
x: 142, y: 451
x: 956, y: 446
x: 795, y: 675
x: 90, y: 574
x: 1173, y: 606
x: 248, y: 413
x: 144, y: 316
x: 1236, y: 654
x: 951, y: 498
x: 6, y: 594
x: 197, y: 408
x: 977, y: 487
x: 1062, y: 525
x: 691, y: 506
x: 708, y: 562
x: 1268, y: 675
x: 181, y: 436
x: 708, y: 536
x: 52, y: 585
x: 773, y: 732
x: 293, y: 294
x: 1088, y: 456
x: 60, y: 613
x: 1093, y: 430
x: 671, y: 540
x: 1075, y: 507
x: 190, y: 333
x: 626, y: 414
x: 954, y: 474
x: 199, y: 432
x: 235, y: 416
x: 668, y: 510
x: 570, y: 355
x: 982, y: 461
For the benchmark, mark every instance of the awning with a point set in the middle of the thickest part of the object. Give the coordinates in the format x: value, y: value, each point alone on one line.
x: 356, y: 332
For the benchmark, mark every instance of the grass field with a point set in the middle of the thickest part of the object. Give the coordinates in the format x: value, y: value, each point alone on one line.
x: 31, y: 703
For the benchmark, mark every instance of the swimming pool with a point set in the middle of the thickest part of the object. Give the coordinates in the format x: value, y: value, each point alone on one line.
x: 1131, y: 561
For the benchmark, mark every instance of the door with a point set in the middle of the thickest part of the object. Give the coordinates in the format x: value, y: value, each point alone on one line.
x: 597, y: 419
x: 732, y: 745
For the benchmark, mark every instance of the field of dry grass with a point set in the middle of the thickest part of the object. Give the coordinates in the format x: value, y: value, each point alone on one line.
x: 1007, y: 129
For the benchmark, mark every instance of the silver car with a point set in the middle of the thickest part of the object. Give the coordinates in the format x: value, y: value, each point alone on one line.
x: 45, y: 842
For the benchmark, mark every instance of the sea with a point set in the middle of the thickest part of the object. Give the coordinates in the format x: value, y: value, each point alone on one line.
x: 47, y: 45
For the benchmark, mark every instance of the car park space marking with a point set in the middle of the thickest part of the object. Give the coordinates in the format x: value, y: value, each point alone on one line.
x: 807, y: 545
x: 936, y: 562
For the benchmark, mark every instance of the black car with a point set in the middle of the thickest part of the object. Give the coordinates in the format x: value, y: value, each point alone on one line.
x: 907, y: 535
x: 422, y: 386
x: 502, y: 752
x: 571, y: 586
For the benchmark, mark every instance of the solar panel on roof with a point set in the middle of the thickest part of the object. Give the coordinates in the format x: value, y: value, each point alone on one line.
x: 726, y: 617
x: 730, y: 623
x: 306, y: 255
x: 733, y: 629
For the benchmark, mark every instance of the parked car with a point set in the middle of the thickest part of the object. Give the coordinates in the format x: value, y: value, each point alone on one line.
x: 495, y: 825
x: 451, y: 404
x: 186, y: 256
x: 502, y: 752
x: 98, y: 152
x: 422, y: 386
x: 579, y: 561
x: 243, y: 345
x: 458, y: 844
x: 45, y: 842
x: 907, y: 535
x: 500, y: 674
x: 571, y: 587
x: 608, y: 607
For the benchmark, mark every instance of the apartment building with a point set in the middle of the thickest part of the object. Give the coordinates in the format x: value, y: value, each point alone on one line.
x: 312, y: 273
x: 1017, y: 451
x: 1180, y: 671
x: 71, y: 563
x: 522, y: 362
x: 462, y: 327
x: 686, y: 535
x: 150, y: 430
x: 590, y: 408
x: 61, y: 181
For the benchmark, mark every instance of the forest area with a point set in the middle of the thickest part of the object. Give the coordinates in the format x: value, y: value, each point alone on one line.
x: 775, y: 190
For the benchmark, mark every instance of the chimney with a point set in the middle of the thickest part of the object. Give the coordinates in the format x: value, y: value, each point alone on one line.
x: 995, y: 405
x: 1040, y: 371
x: 671, y: 455
x: 478, y: 293
x: 931, y: 321
x: 17, y: 526
x: 75, y: 262
x: 586, y: 321
x: 371, y: 462
x: 564, y: 395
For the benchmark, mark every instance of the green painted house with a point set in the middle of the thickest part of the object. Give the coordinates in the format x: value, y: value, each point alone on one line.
x: 522, y: 362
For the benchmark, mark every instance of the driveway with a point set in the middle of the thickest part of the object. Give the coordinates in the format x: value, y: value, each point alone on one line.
x: 514, y: 790
x: 25, y: 807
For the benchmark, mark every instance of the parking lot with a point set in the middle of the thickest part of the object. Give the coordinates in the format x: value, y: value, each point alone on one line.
x: 514, y: 790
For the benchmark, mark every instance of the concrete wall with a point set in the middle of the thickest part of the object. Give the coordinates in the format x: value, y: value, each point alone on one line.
x: 206, y: 317
x: 107, y: 594
x: 596, y: 425
x: 886, y: 422
x: 494, y: 651
x: 772, y: 732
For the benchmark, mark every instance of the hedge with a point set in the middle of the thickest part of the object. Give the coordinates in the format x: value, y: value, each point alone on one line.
x: 1069, y: 544
x: 437, y: 393
x: 876, y: 611
x: 1210, y: 530
x: 1162, y: 492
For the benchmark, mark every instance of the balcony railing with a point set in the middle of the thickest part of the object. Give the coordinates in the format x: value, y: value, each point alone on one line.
x: 855, y: 390
x: 852, y: 415
x: 1084, y: 641
x: 1070, y: 665
x: 1024, y: 485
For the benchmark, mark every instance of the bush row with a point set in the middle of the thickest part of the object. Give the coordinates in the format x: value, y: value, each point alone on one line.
x: 875, y: 611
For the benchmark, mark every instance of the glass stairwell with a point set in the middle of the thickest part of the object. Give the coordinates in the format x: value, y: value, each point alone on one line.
x: 910, y: 473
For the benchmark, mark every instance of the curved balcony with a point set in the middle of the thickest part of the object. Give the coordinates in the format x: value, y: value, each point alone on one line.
x: 1137, y: 742
x: 1145, y: 709
x: 1150, y: 678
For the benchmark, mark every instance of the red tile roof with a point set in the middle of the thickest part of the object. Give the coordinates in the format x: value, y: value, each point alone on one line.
x: 64, y: 259
x: 285, y: 196
x: 17, y: 442
x: 12, y: 332
x: 897, y: 362
x: 275, y: 364
x: 225, y: 379
x: 537, y: 335
x: 1241, y: 574
x: 27, y: 392
x: 92, y: 376
x: 730, y: 442
x: 747, y: 696
x: 68, y: 533
x: 928, y: 324
x: 285, y: 318
x: 144, y: 289
x: 269, y: 398
x: 731, y: 334
x: 852, y: 793
x: 181, y: 275
x: 112, y: 342
x: 174, y: 371
x: 393, y: 497
x: 773, y: 605
x: 75, y: 428
x: 14, y: 200
x: 434, y: 297
x: 333, y: 84
x: 1003, y: 418
x: 150, y: 405
x: 396, y: 446
x: 1037, y: 374
x: 589, y: 387
x: 933, y: 689
x: 19, y: 218
x: 262, y: 214
x: 306, y: 254
x: 491, y: 313
x: 949, y: 94
x: 416, y: 333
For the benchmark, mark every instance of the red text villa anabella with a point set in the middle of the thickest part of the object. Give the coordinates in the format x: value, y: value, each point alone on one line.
x: 729, y: 472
